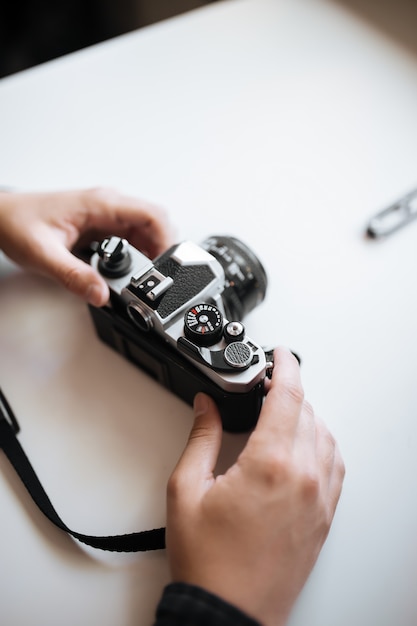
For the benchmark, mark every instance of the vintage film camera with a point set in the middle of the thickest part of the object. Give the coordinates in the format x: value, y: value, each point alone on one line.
x: 179, y: 318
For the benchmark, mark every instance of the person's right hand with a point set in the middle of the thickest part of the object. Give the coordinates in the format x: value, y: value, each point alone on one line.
x: 252, y: 535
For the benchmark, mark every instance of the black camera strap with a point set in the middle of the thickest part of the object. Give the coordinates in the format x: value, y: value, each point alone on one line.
x: 132, y: 542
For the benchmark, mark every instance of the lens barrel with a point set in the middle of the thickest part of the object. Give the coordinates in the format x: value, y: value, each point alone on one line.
x: 246, y: 279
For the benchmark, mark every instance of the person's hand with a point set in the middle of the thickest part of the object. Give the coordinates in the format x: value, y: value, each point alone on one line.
x: 39, y: 230
x: 252, y: 535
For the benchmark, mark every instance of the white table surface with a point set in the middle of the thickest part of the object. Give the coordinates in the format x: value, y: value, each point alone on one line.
x: 286, y: 123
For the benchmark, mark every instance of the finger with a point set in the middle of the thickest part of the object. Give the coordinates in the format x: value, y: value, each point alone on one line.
x: 200, y: 456
x: 146, y: 225
x: 283, y: 404
x: 75, y: 275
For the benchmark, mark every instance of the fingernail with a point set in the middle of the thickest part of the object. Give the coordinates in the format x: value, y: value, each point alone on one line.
x: 200, y: 404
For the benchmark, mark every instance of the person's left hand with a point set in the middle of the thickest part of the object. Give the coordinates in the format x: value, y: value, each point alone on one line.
x: 39, y: 230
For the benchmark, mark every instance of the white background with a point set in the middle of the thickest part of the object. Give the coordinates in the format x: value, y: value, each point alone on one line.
x: 286, y: 123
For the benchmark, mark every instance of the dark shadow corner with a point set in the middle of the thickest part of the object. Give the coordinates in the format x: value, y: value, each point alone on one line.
x: 395, y: 18
x: 35, y: 32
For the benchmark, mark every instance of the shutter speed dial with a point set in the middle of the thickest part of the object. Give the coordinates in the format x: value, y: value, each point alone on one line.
x: 203, y: 324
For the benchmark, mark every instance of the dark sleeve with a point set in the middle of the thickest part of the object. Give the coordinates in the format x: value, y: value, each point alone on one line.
x: 185, y: 605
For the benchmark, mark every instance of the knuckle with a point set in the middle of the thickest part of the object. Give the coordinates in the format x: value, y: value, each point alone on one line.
x: 331, y: 443
x: 174, y: 486
x: 276, y: 470
x: 178, y: 491
x: 199, y: 430
x: 310, y: 486
x: 308, y: 409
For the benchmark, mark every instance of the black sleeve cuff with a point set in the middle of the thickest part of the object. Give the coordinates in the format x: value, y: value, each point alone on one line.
x: 186, y: 605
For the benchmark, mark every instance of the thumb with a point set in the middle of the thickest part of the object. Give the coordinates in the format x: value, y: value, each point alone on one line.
x: 202, y: 450
x: 75, y: 275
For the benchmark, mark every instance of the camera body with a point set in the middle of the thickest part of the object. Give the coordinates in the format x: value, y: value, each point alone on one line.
x: 178, y: 317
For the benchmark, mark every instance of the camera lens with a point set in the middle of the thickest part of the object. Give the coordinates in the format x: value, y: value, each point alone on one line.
x: 246, y: 279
